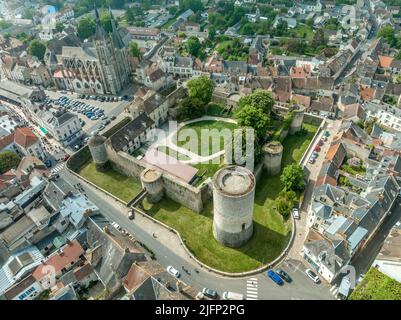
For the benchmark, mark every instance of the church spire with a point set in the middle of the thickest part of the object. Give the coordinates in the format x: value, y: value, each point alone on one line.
x: 100, y: 34
x: 115, y: 35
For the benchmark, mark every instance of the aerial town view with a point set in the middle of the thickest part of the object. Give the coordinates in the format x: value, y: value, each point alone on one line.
x: 205, y: 150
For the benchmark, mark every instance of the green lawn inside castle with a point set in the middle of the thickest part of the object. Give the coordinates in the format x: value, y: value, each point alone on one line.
x: 271, y: 232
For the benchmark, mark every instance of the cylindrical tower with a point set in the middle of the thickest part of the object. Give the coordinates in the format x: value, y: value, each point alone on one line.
x: 98, y: 151
x: 233, y: 200
x: 273, y: 152
x: 152, y: 182
x: 297, y: 120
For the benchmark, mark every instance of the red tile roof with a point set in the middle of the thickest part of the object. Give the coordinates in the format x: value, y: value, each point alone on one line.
x: 301, y: 72
x: 70, y: 253
x: 6, y: 140
x: 25, y: 137
x: 367, y: 94
x: 134, y: 278
x: 385, y: 61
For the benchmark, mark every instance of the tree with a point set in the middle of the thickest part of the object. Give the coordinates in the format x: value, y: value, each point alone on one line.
x: 134, y: 49
x: 172, y: 10
x: 193, y: 46
x: 296, y: 45
x: 254, y: 117
x: 310, y: 22
x: 86, y: 27
x: 248, y: 29
x: 201, y: 88
x: 293, y: 177
x: 59, y: 26
x: 398, y: 56
x: 8, y: 160
x: 389, y: 35
x: 259, y: 98
x: 318, y: 39
x: 281, y: 28
x: 285, y: 202
x: 212, y: 33
x: 105, y: 20
x: 194, y: 5
x: 190, y: 108
x: 37, y: 48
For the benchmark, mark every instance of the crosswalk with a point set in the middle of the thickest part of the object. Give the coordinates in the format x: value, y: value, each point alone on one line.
x: 59, y: 167
x: 252, y: 289
x: 334, y: 291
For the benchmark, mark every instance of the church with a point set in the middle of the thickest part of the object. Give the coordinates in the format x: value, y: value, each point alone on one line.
x: 97, y: 66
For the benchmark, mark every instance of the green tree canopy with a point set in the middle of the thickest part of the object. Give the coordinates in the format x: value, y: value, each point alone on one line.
x: 201, y: 88
x: 194, y: 5
x: 134, y: 49
x: 285, y: 202
x: 318, y: 39
x: 389, y: 35
x: 8, y: 160
x: 86, y: 27
x: 259, y: 98
x: 193, y: 46
x: 105, y: 20
x: 59, y: 26
x: 37, y: 48
x: 293, y: 177
x: 190, y: 108
x: 254, y: 117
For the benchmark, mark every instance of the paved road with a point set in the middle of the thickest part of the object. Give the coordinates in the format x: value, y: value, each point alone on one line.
x: 301, y: 288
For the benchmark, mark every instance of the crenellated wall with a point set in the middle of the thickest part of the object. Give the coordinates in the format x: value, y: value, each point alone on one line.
x: 183, y: 193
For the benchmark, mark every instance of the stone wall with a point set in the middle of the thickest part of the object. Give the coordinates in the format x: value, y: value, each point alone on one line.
x: 185, y: 194
x: 257, y: 172
x: 310, y: 118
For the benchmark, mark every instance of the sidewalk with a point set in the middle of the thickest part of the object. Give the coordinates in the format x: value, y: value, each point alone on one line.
x: 163, y: 235
x: 302, y: 224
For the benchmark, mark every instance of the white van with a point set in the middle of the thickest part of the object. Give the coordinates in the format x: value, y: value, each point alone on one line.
x: 228, y: 295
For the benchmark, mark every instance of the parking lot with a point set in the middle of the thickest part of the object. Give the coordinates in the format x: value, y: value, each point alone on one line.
x: 94, y: 111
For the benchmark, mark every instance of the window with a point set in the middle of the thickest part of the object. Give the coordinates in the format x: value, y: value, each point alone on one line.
x: 243, y: 227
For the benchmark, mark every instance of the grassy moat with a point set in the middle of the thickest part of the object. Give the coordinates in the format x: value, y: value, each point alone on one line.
x: 271, y: 231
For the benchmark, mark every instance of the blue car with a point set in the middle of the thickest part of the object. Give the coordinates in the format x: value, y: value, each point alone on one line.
x: 48, y: 163
x: 275, y: 277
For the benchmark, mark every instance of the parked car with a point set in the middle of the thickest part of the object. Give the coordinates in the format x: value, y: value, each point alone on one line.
x: 48, y: 163
x: 313, y: 276
x: 228, y: 295
x: 112, y: 117
x: 317, y: 149
x: 210, y: 293
x: 275, y: 277
x: 284, y: 275
x: 312, y: 160
x: 66, y: 157
x: 174, y: 272
x: 321, y: 142
x: 131, y: 214
x: 295, y: 213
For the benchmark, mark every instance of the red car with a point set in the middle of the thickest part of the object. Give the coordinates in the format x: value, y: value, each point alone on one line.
x: 317, y: 149
x: 66, y: 157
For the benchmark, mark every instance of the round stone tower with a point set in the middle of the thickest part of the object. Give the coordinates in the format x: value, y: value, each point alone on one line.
x: 297, y: 120
x: 97, y: 149
x: 233, y: 200
x: 152, y: 182
x: 273, y: 152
